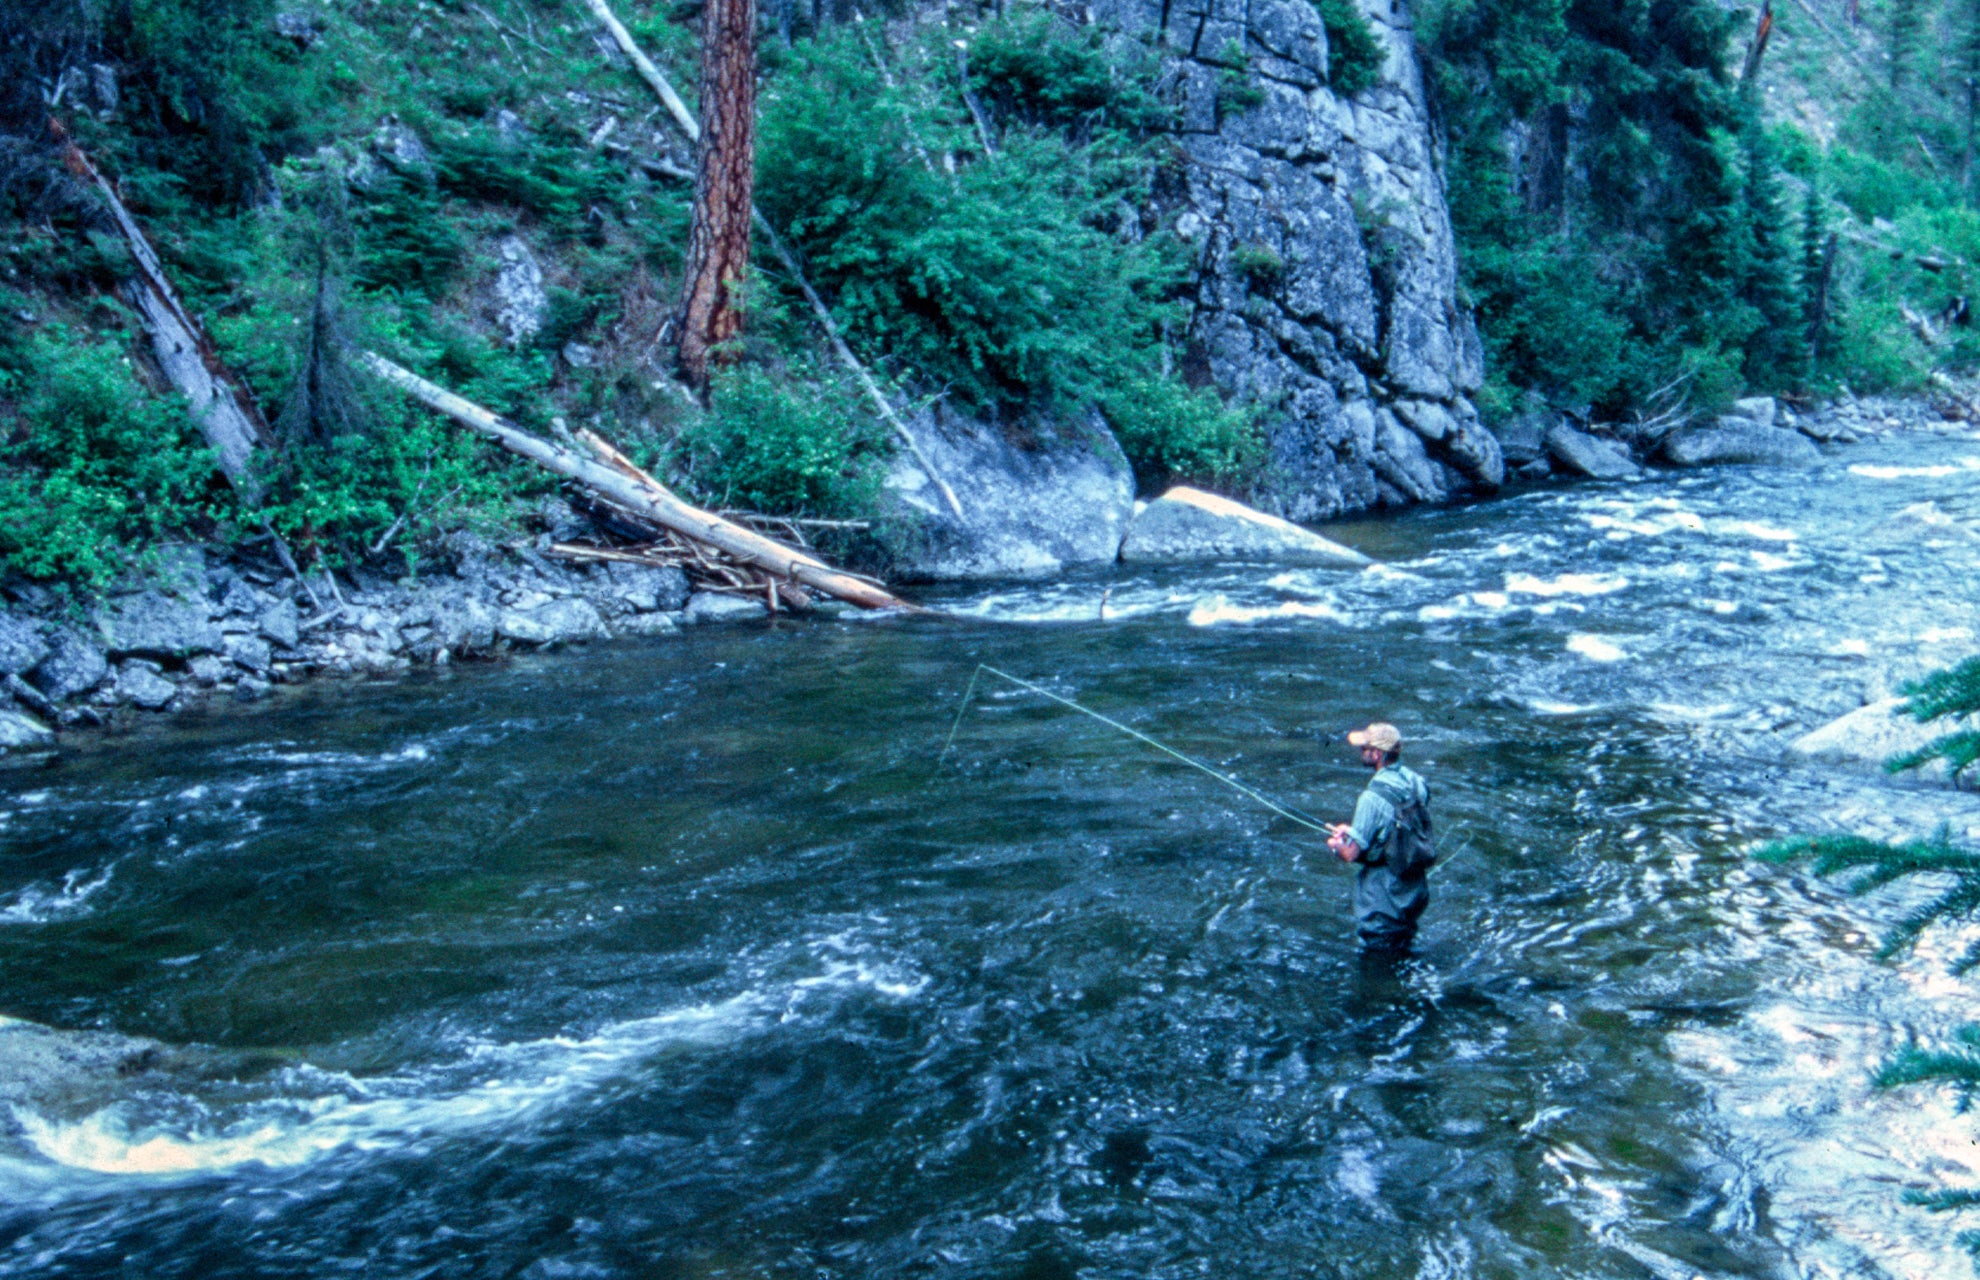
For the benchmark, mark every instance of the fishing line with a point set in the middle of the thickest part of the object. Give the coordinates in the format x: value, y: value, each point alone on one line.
x: 1304, y: 820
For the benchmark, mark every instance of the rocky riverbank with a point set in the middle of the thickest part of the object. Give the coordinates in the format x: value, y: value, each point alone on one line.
x: 196, y: 626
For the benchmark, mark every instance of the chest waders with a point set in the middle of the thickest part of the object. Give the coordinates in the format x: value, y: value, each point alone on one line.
x: 1390, y: 889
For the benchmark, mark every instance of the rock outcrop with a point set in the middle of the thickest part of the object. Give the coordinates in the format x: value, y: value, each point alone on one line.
x: 1032, y: 504
x: 1187, y: 525
x: 1327, y: 274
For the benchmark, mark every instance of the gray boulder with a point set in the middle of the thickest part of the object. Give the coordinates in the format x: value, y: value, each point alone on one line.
x: 280, y: 623
x: 1868, y: 736
x: 1736, y: 441
x: 1062, y: 496
x: 250, y: 653
x: 463, y: 626
x: 1586, y: 455
x: 73, y: 666
x: 209, y: 670
x: 153, y: 624
x: 712, y: 606
x: 648, y: 624
x: 1761, y: 411
x: 562, y: 621
x: 139, y: 684
x: 647, y: 588
x: 1523, y: 439
x: 20, y: 731
x: 21, y: 645
x: 1186, y: 525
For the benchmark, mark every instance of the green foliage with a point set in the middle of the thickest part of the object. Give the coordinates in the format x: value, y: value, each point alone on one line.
x: 1171, y: 432
x: 1005, y: 285
x: 91, y: 464
x: 1354, y: 52
x: 1237, y: 92
x: 1036, y: 70
x: 1953, y: 694
x: 1659, y: 249
x: 1259, y: 264
x: 806, y: 445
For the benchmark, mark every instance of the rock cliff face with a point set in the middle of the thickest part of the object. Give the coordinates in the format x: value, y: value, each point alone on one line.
x: 1327, y: 272
x: 1326, y: 285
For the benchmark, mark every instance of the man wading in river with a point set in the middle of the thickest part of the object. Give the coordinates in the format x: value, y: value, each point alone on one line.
x: 1389, y: 842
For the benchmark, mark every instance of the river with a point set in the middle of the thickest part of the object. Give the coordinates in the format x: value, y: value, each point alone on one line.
x: 692, y: 958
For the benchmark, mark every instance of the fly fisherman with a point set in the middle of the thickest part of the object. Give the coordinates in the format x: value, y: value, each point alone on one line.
x: 1389, y: 842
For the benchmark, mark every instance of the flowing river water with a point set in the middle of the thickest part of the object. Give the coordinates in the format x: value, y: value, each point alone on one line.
x: 692, y: 958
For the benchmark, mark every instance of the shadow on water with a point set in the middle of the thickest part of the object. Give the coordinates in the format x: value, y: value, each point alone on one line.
x: 690, y: 958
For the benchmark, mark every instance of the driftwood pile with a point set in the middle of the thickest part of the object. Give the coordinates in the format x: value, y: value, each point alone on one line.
x: 725, y: 553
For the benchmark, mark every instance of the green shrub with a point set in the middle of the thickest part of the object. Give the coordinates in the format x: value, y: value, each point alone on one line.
x: 794, y: 445
x: 1354, y: 52
x: 1040, y: 70
x: 92, y: 466
x: 1260, y: 265
x: 1170, y: 432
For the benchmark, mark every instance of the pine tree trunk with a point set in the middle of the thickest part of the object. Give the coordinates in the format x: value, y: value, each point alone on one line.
x: 718, y: 244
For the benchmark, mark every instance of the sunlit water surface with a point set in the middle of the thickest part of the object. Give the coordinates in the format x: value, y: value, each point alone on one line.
x: 692, y: 958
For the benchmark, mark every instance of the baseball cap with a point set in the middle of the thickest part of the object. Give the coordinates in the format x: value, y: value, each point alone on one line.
x: 1380, y: 735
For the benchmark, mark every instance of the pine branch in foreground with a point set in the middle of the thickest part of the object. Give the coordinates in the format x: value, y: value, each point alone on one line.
x: 1948, y: 694
x: 1872, y: 864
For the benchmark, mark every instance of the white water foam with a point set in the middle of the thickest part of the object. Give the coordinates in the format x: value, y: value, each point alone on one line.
x: 1938, y: 471
x: 1595, y: 648
x: 41, y: 903
x: 492, y: 1088
x: 1568, y: 584
x: 1217, y: 610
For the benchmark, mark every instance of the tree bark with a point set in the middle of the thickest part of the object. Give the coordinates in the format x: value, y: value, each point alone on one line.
x: 725, y: 181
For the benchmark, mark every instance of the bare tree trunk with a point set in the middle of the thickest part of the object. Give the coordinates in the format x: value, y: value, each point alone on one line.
x: 718, y: 244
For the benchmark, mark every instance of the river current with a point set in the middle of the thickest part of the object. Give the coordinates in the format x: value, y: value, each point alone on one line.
x: 697, y: 958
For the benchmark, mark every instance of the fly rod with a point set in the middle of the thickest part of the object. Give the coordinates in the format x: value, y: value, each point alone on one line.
x: 1284, y: 811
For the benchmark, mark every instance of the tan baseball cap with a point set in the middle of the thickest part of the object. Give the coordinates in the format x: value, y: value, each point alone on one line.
x: 1381, y: 735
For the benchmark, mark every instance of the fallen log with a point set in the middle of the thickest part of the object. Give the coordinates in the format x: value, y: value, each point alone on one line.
x: 624, y: 485
x: 689, y: 126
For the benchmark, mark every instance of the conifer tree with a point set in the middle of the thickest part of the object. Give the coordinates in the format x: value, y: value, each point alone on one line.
x: 1904, y: 35
x: 1818, y: 263
x: 1777, y: 355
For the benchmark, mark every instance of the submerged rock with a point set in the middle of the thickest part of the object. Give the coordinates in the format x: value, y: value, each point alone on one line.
x: 1590, y: 456
x: 1869, y: 736
x: 713, y: 606
x: 1738, y: 441
x: 19, y: 730
x: 1059, y: 496
x: 59, y: 1070
x: 1185, y: 525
